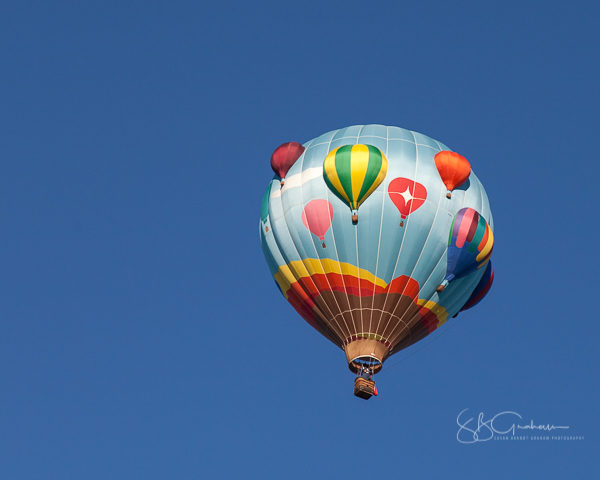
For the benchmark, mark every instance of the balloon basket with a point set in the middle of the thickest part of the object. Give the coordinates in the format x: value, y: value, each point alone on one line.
x: 448, y: 195
x: 401, y: 223
x: 445, y: 283
x: 354, y: 219
x: 323, y: 245
x: 363, y: 388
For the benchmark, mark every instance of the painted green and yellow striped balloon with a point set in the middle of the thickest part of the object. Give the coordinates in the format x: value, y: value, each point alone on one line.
x: 353, y: 172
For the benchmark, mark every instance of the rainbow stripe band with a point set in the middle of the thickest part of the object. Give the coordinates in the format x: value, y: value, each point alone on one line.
x: 338, y: 298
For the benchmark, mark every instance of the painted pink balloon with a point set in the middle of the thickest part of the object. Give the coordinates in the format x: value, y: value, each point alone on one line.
x: 317, y: 217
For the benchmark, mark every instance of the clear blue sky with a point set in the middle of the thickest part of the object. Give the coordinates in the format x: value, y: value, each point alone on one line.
x: 134, y: 152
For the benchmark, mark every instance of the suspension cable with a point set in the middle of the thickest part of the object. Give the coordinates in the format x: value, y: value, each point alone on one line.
x: 428, y: 343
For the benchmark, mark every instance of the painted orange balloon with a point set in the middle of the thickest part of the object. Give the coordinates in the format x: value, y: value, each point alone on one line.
x: 453, y: 168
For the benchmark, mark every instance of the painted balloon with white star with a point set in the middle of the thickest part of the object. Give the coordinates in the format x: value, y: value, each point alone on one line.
x: 373, y: 290
x: 407, y: 195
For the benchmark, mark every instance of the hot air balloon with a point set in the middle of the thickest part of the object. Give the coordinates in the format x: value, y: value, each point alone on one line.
x: 317, y: 217
x: 372, y: 291
x: 470, y: 245
x: 353, y: 172
x: 407, y: 195
x: 284, y: 156
x: 453, y: 168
